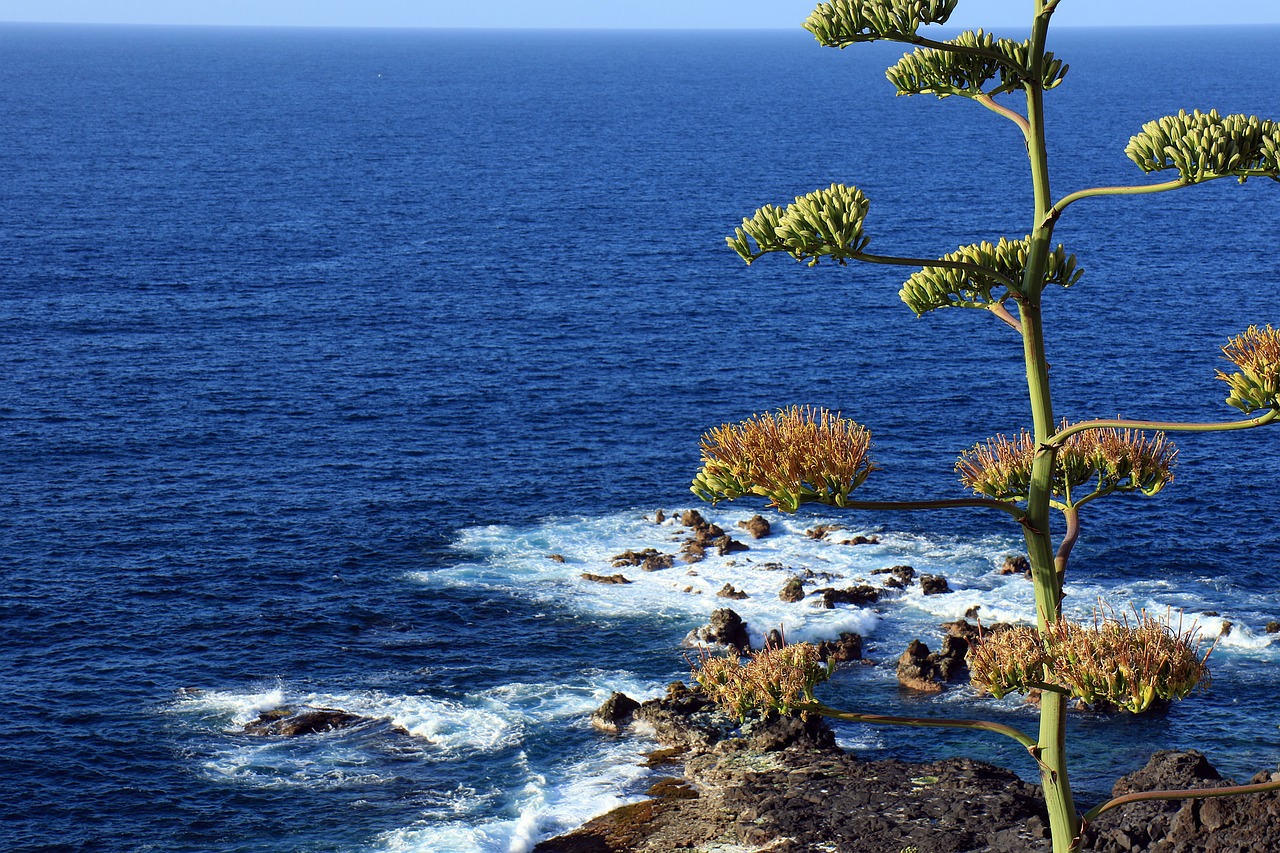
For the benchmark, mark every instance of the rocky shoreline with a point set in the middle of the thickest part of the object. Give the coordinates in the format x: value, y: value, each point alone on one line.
x: 784, y: 786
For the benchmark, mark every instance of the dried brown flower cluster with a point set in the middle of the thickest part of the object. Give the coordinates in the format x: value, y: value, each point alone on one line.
x: 1114, y: 460
x: 774, y: 680
x: 792, y: 456
x: 1108, y: 664
x: 1256, y: 352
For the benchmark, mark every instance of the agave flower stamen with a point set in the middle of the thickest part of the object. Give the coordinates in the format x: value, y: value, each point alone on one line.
x: 1119, y: 460
x: 791, y: 456
x: 1256, y: 352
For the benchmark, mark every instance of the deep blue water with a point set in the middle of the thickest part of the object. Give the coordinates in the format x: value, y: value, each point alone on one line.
x: 315, y: 343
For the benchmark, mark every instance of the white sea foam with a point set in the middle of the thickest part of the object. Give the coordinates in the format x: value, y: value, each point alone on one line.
x: 546, y: 804
x: 519, y: 559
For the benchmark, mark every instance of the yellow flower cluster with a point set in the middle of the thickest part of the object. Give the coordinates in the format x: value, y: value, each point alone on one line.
x: 773, y: 680
x: 1114, y: 460
x: 1109, y: 664
x: 792, y: 456
x: 1256, y: 352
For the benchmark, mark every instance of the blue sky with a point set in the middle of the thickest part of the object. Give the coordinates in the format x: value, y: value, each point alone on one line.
x: 603, y: 13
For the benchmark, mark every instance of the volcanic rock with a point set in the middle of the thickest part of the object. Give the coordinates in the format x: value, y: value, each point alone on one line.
x: 919, y: 669
x: 757, y: 526
x: 901, y: 576
x: 792, y: 590
x: 821, y: 531
x: 296, y: 722
x: 615, y: 579
x: 847, y: 648
x: 615, y: 713
x: 729, y: 591
x: 727, y: 629
x: 934, y: 585
x: 1016, y: 564
x: 860, y: 595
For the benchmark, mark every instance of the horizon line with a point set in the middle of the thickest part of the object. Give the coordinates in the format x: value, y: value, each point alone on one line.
x: 572, y: 28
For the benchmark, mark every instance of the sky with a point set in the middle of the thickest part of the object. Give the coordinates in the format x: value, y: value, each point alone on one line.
x: 691, y: 14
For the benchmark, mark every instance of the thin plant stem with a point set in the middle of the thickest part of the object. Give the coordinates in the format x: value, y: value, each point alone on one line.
x: 1015, y: 290
x: 1164, y: 426
x: 1185, y: 794
x: 1000, y: 109
x: 922, y: 722
x: 1141, y: 189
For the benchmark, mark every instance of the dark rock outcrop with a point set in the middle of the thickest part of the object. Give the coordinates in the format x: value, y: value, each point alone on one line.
x: 934, y: 585
x: 847, y: 648
x: 786, y: 786
x: 900, y: 577
x: 730, y: 591
x: 1016, y: 564
x: 925, y: 671
x: 792, y: 590
x: 615, y: 713
x: 861, y: 540
x: 757, y: 526
x: 860, y: 595
x: 727, y: 629
x: 296, y: 722
x: 649, y: 559
x: 614, y: 579
x: 1249, y: 824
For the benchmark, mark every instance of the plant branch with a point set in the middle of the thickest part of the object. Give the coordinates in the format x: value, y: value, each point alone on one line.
x: 956, y: 503
x: 1186, y: 794
x: 1012, y: 115
x: 1003, y: 313
x: 922, y: 722
x: 1014, y: 289
x: 1141, y: 189
x: 956, y: 48
x: 1057, y: 439
x: 1072, y: 514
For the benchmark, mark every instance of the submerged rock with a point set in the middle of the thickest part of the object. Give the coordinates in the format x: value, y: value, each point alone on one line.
x: 727, y: 629
x: 757, y: 526
x: 934, y: 585
x: 297, y: 722
x: 615, y: 713
x: 730, y: 591
x: 860, y: 595
x: 613, y: 579
x: 792, y: 590
x: 925, y: 671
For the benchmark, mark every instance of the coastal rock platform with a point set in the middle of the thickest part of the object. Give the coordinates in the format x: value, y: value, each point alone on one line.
x: 784, y: 786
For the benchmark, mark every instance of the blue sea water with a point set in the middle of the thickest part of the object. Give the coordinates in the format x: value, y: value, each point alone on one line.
x: 317, y: 344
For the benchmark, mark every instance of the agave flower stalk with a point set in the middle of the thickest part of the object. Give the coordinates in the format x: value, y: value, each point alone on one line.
x: 798, y: 456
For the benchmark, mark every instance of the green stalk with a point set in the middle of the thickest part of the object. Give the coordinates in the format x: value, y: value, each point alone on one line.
x: 1064, y: 821
x: 920, y: 722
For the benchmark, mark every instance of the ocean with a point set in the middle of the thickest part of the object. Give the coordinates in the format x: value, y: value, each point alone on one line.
x: 318, y: 344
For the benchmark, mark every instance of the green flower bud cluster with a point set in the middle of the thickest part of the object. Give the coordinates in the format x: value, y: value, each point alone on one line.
x: 792, y: 456
x: 773, y: 681
x: 841, y: 23
x: 1113, y: 460
x: 826, y: 222
x: 1108, y: 664
x: 945, y: 72
x: 1203, y: 146
x: 1256, y: 352
x: 947, y: 287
